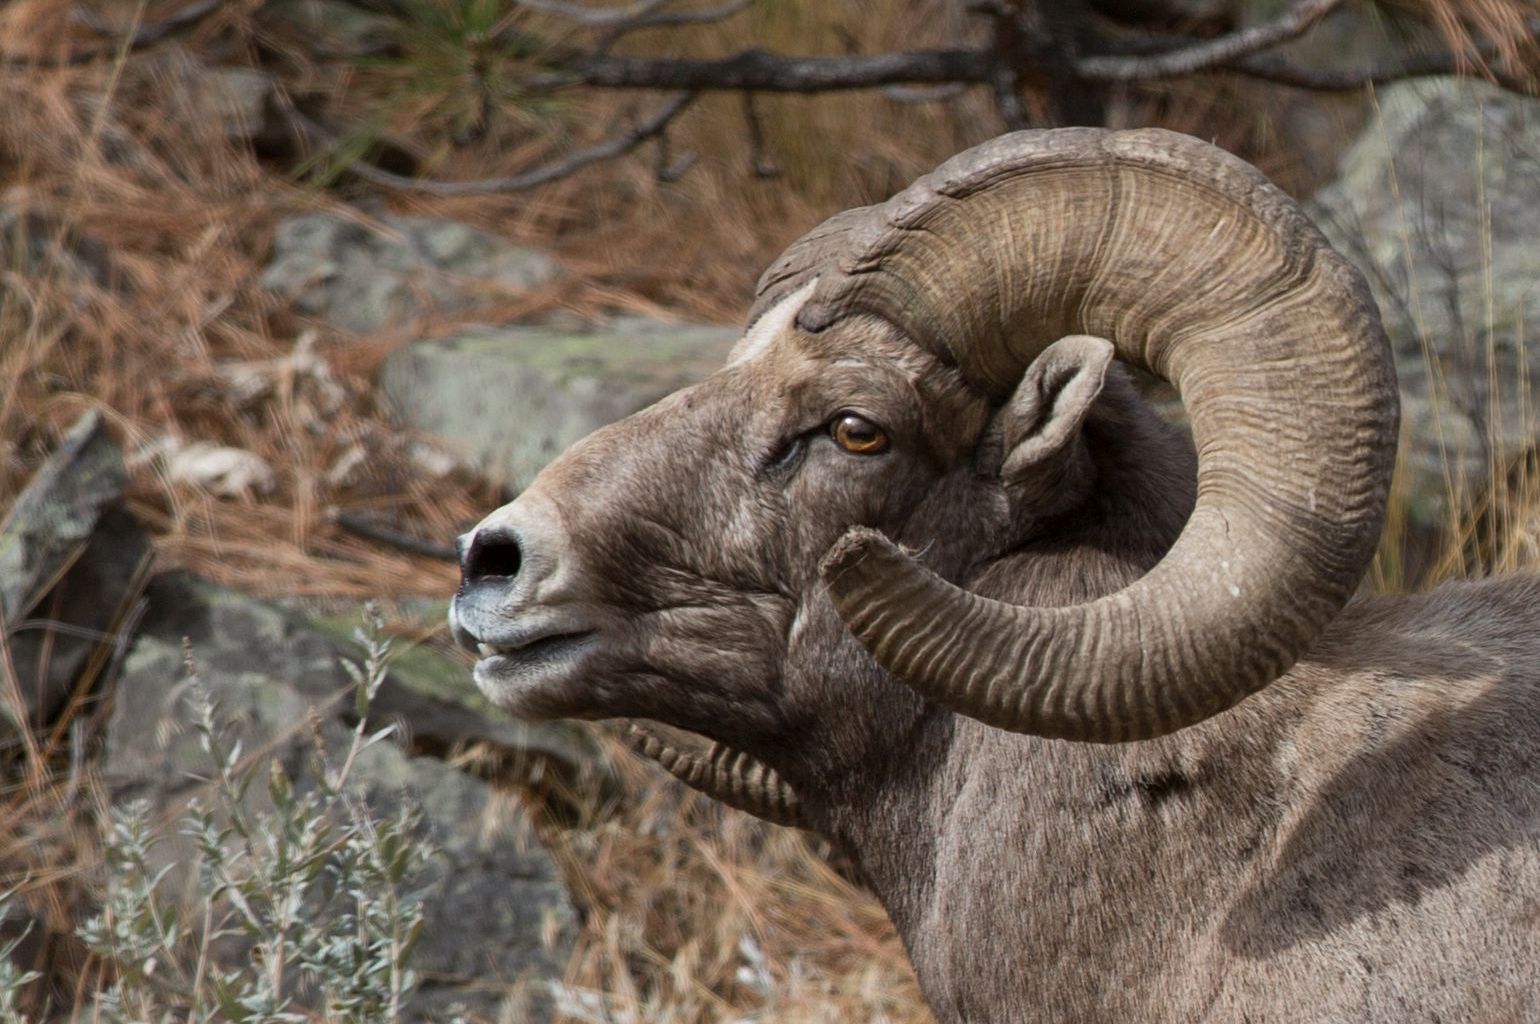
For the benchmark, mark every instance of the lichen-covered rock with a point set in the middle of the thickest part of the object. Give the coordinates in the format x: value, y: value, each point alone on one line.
x: 499, y: 921
x: 72, y: 560
x: 509, y: 399
x: 362, y: 276
x: 1439, y: 203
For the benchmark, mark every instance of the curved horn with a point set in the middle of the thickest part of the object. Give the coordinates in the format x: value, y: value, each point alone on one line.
x: 1200, y: 271
x: 719, y: 771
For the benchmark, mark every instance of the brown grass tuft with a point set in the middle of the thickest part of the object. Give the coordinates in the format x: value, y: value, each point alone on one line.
x: 698, y: 914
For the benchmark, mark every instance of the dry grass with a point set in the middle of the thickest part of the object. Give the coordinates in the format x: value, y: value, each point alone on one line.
x: 694, y: 913
x: 697, y: 914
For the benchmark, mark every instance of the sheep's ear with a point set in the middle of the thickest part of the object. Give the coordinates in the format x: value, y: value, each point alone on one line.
x: 1040, y: 425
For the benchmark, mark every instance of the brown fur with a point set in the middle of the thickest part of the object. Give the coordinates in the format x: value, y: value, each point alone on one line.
x: 1357, y: 842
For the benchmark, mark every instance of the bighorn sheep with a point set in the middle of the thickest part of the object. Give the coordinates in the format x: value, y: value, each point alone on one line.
x: 1097, y: 717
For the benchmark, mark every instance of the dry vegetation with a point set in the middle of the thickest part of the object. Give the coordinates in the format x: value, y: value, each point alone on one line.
x: 695, y: 913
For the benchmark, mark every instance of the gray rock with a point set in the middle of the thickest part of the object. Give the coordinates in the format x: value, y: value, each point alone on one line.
x: 1439, y: 203
x: 509, y: 399
x: 36, y: 246
x: 443, y: 714
x: 237, y: 97
x: 1315, y: 128
x: 499, y: 921
x: 362, y: 278
x: 72, y: 561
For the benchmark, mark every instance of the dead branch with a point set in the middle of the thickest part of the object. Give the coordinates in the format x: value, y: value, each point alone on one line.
x: 595, y: 17
x: 658, y: 18
x: 762, y: 71
x: 1268, y: 68
x: 618, y: 145
x: 371, y: 530
x: 1485, y: 62
x: 665, y: 167
x: 1291, y: 24
x: 759, y: 154
x: 923, y: 94
x: 141, y: 38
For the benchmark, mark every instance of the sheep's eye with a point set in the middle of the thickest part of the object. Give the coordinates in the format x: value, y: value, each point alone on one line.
x: 855, y: 434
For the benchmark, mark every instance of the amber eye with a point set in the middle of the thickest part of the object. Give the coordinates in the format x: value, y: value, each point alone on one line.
x: 858, y: 435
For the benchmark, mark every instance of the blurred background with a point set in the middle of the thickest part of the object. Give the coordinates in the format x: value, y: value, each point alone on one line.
x: 293, y: 291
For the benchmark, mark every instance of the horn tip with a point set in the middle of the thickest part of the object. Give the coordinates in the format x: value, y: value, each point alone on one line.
x: 861, y: 546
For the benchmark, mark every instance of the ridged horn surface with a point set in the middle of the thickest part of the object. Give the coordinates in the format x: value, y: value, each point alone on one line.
x: 719, y: 771
x: 1198, y: 270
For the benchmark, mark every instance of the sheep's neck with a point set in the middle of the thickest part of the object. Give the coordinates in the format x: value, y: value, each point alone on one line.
x: 1087, y: 856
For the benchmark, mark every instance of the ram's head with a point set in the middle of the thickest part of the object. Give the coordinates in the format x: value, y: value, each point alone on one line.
x: 908, y: 407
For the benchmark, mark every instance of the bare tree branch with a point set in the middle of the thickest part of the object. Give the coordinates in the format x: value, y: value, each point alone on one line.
x: 595, y: 17
x: 667, y: 169
x: 759, y: 154
x: 1280, y: 71
x: 660, y: 18
x: 142, y: 37
x: 924, y: 94
x: 609, y: 149
x: 1008, y: 46
x: 374, y: 531
x: 957, y: 69
x: 1268, y: 68
x: 1212, y: 53
x: 761, y: 71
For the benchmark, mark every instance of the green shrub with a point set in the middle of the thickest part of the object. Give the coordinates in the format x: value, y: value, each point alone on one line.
x: 305, y: 902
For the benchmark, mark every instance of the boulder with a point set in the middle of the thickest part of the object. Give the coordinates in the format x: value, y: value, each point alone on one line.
x: 499, y: 921
x: 1439, y: 203
x: 1315, y: 128
x: 237, y: 98
x: 72, y: 562
x: 362, y: 276
x: 507, y: 400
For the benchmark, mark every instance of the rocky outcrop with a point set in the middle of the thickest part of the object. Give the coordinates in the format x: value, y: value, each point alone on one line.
x: 1439, y: 203
x: 72, y: 563
x: 499, y: 922
x: 83, y: 620
x: 363, y: 275
x: 507, y: 400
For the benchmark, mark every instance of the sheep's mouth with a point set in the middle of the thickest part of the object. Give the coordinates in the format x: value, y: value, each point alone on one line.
x: 534, y: 678
x: 540, y: 650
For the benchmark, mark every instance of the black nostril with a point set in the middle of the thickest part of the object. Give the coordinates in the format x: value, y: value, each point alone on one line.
x: 492, y: 553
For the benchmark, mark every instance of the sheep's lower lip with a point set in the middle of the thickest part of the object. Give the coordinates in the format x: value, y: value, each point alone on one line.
x: 506, y: 674
x: 540, y: 649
